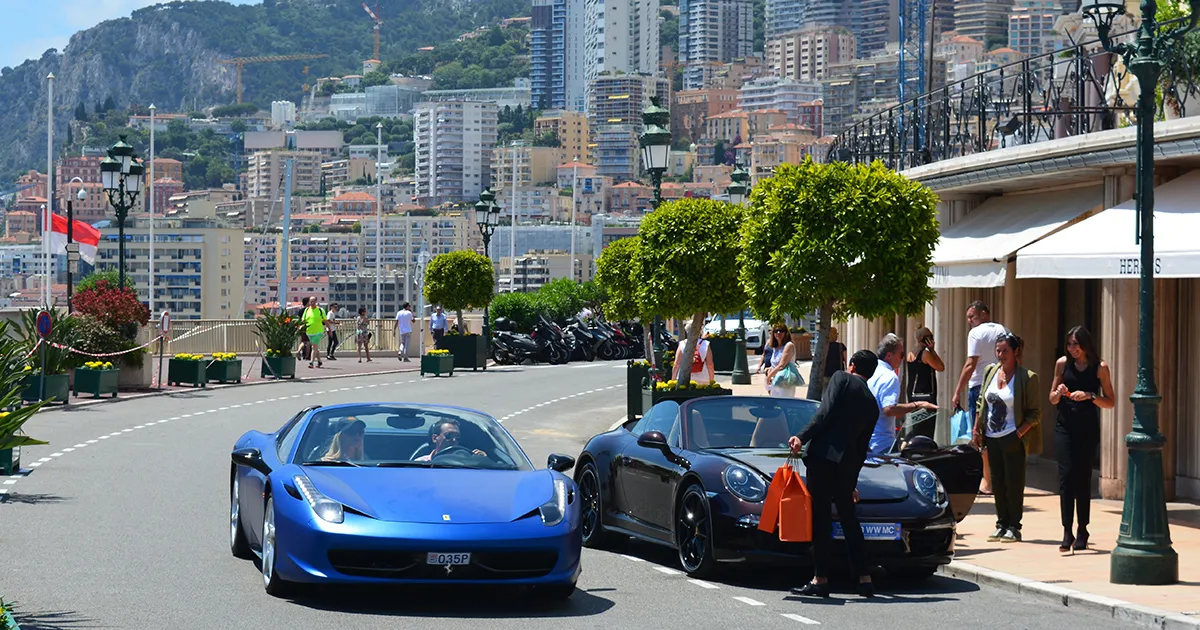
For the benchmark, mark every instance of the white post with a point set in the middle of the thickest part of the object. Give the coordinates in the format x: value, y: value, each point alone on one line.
x: 574, y: 204
x: 408, y: 256
x: 512, y: 233
x: 379, y: 223
x: 49, y: 190
x: 151, y: 279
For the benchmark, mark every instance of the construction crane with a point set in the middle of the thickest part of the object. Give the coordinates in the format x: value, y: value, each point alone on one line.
x: 378, y: 23
x: 238, y: 62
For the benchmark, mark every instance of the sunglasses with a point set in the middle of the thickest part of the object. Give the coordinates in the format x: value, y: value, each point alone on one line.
x: 450, y: 435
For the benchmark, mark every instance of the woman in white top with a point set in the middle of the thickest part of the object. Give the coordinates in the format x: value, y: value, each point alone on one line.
x: 704, y: 375
x: 783, y: 354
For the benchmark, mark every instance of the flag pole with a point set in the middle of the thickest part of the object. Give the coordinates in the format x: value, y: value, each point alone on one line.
x: 49, y: 209
x: 150, y: 290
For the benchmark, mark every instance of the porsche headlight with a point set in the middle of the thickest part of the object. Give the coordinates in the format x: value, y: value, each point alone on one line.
x: 324, y: 507
x: 555, y: 510
x: 744, y: 483
x: 928, y: 485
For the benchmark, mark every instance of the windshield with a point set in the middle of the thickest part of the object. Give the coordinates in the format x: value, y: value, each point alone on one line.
x: 427, y: 436
x: 737, y: 422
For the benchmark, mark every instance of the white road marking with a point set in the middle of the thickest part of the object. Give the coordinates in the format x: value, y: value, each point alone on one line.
x: 140, y: 426
x: 668, y: 571
x: 92, y: 441
x: 114, y: 433
x: 35, y: 464
x: 3, y: 490
x: 633, y: 558
x: 122, y: 431
x: 10, y: 482
x: 105, y: 437
x: 81, y: 446
x: 44, y: 459
x: 802, y: 619
x: 186, y: 415
x: 67, y: 450
x: 172, y: 418
x: 703, y: 584
x: 222, y: 408
x: 749, y: 602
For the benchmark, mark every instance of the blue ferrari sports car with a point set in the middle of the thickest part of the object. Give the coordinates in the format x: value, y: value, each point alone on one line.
x: 401, y: 494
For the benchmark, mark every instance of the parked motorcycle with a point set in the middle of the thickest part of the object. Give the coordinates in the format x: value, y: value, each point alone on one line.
x: 511, y: 348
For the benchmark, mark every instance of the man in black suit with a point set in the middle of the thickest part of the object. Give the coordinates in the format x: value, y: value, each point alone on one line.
x: 837, y: 440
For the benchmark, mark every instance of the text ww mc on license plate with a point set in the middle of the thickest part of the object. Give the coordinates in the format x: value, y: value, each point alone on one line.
x: 871, y: 531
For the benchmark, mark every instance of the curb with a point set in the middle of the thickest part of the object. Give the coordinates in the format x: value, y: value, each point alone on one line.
x: 1120, y: 610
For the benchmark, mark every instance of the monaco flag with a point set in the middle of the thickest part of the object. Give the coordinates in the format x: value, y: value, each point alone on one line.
x: 85, y: 235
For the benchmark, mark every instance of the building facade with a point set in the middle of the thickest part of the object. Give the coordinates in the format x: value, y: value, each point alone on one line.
x: 712, y: 32
x: 783, y: 16
x: 453, y: 150
x: 620, y: 36
x: 984, y: 20
x: 572, y: 130
x: 692, y: 107
x: 615, y: 104
x: 1031, y: 27
x: 265, y: 173
x: 806, y: 55
x: 548, y: 54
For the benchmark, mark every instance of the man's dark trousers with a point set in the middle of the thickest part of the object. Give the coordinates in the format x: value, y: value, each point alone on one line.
x: 831, y: 483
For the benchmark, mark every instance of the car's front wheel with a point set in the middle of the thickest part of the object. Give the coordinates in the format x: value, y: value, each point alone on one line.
x: 274, y: 584
x: 592, y: 507
x: 238, y: 545
x: 693, y: 533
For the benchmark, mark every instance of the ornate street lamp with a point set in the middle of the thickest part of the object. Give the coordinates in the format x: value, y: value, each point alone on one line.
x: 738, y: 191
x: 1143, y: 554
x: 656, y: 150
x: 72, y: 247
x: 121, y: 174
x: 487, y: 217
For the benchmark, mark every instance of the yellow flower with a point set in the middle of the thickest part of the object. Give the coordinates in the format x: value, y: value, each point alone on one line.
x: 28, y: 368
x: 3, y: 415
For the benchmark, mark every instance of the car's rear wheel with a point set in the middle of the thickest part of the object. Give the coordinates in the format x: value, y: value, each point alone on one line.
x: 693, y: 533
x: 592, y: 523
x: 274, y: 584
x: 238, y: 545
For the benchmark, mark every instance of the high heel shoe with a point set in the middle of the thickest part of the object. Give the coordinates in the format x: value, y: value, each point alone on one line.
x: 1081, y: 540
x: 1068, y: 542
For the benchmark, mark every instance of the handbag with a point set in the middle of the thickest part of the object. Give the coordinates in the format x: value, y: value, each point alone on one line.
x: 788, y: 376
x: 795, y: 511
x: 769, y: 519
x: 960, y: 427
x: 697, y: 360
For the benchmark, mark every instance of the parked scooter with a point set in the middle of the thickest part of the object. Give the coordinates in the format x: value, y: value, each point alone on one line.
x: 510, y: 348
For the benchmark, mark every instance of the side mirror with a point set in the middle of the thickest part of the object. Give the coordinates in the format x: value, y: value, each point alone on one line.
x: 251, y: 458
x: 653, y: 439
x: 560, y: 463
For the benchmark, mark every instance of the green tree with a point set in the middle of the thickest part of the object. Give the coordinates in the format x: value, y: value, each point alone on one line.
x: 687, y: 263
x: 238, y: 126
x: 460, y: 280
x: 616, y: 271
x: 109, y: 104
x: 81, y: 112
x: 847, y: 240
x: 520, y: 309
x: 559, y: 299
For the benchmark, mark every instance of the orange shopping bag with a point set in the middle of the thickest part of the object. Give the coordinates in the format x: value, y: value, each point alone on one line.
x: 770, y: 512
x: 795, y: 511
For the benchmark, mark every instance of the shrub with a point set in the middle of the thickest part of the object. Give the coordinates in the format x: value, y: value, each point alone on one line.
x: 57, y: 360
x: 119, y: 309
x: 279, y: 333
x: 521, y: 309
x: 94, y: 336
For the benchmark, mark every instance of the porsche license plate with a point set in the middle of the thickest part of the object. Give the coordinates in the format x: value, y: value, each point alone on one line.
x: 445, y: 559
x: 871, y: 531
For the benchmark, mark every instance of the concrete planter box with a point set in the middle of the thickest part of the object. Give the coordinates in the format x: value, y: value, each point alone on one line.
x: 279, y: 367
x: 437, y: 364
x: 58, y: 388
x: 10, y: 461
x: 651, y: 397
x: 723, y: 351
x: 224, y: 371
x: 97, y: 382
x: 183, y: 372
x: 469, y: 351
x: 635, y: 377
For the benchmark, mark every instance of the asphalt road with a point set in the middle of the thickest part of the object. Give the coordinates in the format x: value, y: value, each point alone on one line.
x: 123, y: 523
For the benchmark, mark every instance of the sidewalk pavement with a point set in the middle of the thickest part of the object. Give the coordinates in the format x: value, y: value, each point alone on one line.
x: 1036, y: 568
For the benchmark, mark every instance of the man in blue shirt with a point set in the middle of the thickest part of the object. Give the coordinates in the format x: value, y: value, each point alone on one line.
x: 437, y: 323
x: 885, y: 385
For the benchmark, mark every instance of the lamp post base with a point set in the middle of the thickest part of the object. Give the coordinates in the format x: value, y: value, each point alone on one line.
x: 1143, y: 554
x: 741, y: 367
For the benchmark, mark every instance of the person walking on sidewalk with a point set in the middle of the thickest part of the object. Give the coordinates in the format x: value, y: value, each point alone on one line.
x: 362, y: 334
x: 923, y: 367
x: 1008, y: 420
x: 836, y: 448
x: 701, y: 364
x: 437, y: 324
x: 1082, y: 387
x: 331, y: 330
x: 782, y: 354
x: 404, y: 322
x: 884, y: 384
x: 835, y: 357
x: 314, y: 323
x: 980, y: 343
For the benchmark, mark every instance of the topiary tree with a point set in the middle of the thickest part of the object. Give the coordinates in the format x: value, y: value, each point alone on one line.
x: 459, y: 281
x: 686, y: 265
x: 615, y: 276
x: 559, y: 299
x: 847, y: 240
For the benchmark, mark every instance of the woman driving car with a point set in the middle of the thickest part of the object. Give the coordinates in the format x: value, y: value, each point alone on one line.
x: 444, y: 435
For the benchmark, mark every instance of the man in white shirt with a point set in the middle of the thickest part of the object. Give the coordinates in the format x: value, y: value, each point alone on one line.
x: 404, y: 322
x: 885, y: 385
x: 981, y: 352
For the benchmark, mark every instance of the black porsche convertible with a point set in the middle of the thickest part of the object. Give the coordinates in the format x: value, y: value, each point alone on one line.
x: 693, y: 474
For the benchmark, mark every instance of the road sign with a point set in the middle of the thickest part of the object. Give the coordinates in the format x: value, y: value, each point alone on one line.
x: 44, y: 324
x: 164, y: 325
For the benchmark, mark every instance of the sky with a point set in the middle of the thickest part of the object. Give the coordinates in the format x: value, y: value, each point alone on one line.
x: 30, y: 27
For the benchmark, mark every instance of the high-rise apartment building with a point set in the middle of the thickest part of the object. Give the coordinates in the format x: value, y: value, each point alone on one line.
x: 620, y: 36
x: 786, y: 95
x: 874, y: 23
x: 615, y: 107
x: 548, y: 54
x: 265, y: 173
x: 693, y: 107
x: 283, y: 114
x: 806, y: 55
x: 1031, y: 27
x: 572, y: 130
x: 984, y: 20
x: 712, y: 32
x: 783, y: 16
x: 453, y: 150
x: 575, y: 58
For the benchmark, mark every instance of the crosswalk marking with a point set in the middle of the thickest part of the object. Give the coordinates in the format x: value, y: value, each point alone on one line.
x: 802, y: 619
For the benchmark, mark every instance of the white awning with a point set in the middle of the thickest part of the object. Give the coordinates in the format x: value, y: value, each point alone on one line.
x: 1105, y: 245
x: 974, y: 252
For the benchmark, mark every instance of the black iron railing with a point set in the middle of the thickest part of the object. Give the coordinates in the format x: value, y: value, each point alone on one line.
x: 1072, y: 91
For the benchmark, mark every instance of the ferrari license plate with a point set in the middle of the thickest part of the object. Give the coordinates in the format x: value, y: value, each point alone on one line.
x: 871, y: 531
x: 447, y: 559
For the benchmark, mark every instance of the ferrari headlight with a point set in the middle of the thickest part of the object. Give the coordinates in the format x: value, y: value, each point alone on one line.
x: 324, y: 507
x: 555, y: 510
x: 928, y: 485
x: 744, y: 483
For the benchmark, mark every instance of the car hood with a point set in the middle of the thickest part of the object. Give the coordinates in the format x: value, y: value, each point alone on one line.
x: 436, y: 495
x: 882, y: 478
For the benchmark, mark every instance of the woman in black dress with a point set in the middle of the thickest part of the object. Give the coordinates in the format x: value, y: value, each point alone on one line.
x: 923, y: 366
x: 1082, y: 387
